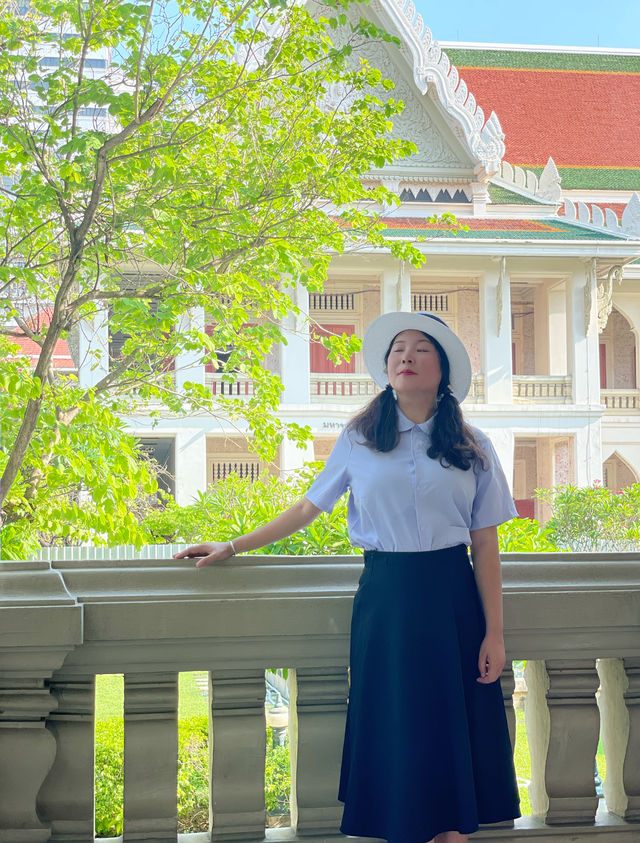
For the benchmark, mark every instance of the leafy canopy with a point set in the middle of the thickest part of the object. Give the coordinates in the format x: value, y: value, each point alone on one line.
x: 173, y: 169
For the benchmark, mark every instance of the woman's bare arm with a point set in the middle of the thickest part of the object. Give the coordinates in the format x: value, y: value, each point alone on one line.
x: 298, y: 516
x: 486, y: 565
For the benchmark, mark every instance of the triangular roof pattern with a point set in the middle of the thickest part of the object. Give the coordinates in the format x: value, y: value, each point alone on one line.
x: 582, y: 108
x: 432, y: 69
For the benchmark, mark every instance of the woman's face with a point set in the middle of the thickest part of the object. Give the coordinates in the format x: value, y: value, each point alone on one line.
x: 413, y: 364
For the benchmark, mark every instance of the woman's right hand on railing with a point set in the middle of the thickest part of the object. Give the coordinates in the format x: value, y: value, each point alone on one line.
x: 206, y: 553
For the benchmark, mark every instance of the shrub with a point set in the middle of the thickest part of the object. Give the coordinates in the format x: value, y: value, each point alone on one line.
x: 236, y: 505
x: 109, y: 778
x: 193, y: 776
x: 593, y: 518
x: 277, y: 776
x: 524, y: 535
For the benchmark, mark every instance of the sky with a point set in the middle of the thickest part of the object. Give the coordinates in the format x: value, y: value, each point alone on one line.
x: 590, y: 23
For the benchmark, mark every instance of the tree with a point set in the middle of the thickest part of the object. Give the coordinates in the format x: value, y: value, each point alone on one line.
x: 214, y: 163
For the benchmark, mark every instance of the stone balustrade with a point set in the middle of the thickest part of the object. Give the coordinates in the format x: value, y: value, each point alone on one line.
x: 574, y: 618
x: 625, y: 400
x: 555, y: 389
x: 343, y: 388
x: 359, y: 388
x: 242, y: 387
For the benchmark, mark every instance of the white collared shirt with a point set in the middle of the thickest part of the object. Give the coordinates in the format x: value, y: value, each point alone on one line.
x: 402, y: 500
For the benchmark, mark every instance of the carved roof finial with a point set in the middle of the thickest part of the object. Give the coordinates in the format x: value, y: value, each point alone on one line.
x: 549, y: 184
x: 631, y: 217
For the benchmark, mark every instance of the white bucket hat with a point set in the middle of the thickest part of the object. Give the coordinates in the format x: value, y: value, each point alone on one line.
x: 382, y: 330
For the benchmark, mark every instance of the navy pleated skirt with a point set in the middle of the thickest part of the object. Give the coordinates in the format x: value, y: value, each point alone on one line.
x: 426, y: 747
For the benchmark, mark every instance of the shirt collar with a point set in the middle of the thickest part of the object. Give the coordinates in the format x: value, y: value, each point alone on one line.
x: 406, y: 424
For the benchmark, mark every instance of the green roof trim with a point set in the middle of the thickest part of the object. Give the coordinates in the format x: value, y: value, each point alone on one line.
x: 594, y: 178
x: 503, y: 196
x: 517, y: 59
x: 562, y: 231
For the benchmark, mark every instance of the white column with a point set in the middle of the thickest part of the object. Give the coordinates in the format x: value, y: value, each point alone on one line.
x: 188, y: 365
x: 93, y: 349
x: 395, y: 288
x: 191, y: 465
x: 582, y: 336
x: 495, y: 321
x: 292, y: 457
x: 541, y: 329
x: 588, y: 453
x: 295, y: 366
x: 557, y: 300
x: 503, y: 440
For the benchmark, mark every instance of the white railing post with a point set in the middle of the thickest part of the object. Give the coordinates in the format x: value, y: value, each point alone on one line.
x: 317, y: 716
x: 40, y: 623
x: 237, y: 743
x: 537, y: 723
x: 631, y: 769
x: 66, y: 799
x: 150, y: 756
x: 573, y: 741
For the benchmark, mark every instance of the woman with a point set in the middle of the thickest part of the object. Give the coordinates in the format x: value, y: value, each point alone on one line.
x: 426, y: 754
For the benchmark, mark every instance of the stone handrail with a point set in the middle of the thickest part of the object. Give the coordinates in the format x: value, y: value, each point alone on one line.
x: 574, y: 618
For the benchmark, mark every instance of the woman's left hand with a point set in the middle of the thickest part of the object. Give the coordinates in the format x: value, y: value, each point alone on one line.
x: 491, y: 659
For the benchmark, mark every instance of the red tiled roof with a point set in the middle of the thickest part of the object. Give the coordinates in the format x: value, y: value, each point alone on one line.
x: 581, y: 109
x: 579, y: 119
x: 472, y: 224
x: 61, y: 354
x: 547, y: 229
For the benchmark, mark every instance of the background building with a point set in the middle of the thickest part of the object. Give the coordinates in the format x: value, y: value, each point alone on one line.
x: 534, y: 150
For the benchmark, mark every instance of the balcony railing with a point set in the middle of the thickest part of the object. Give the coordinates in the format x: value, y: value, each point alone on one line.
x: 241, y: 388
x: 554, y: 389
x: 357, y: 388
x: 627, y: 400
x: 575, y: 619
x: 343, y: 388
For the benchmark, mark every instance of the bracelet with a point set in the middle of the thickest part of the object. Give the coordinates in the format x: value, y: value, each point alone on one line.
x: 235, y: 552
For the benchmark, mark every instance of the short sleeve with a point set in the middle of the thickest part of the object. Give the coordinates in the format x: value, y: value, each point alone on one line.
x: 493, y: 503
x: 333, y: 480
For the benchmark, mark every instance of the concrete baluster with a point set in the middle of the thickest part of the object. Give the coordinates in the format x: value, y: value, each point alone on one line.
x: 537, y: 721
x: 27, y: 751
x: 631, y: 769
x: 150, y: 756
x: 237, y: 743
x: 573, y: 741
x: 317, y: 714
x: 66, y: 798
x: 40, y: 624
x: 508, y: 684
x: 615, y: 731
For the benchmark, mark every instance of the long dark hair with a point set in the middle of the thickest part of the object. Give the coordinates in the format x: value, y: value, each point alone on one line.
x: 452, y: 440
